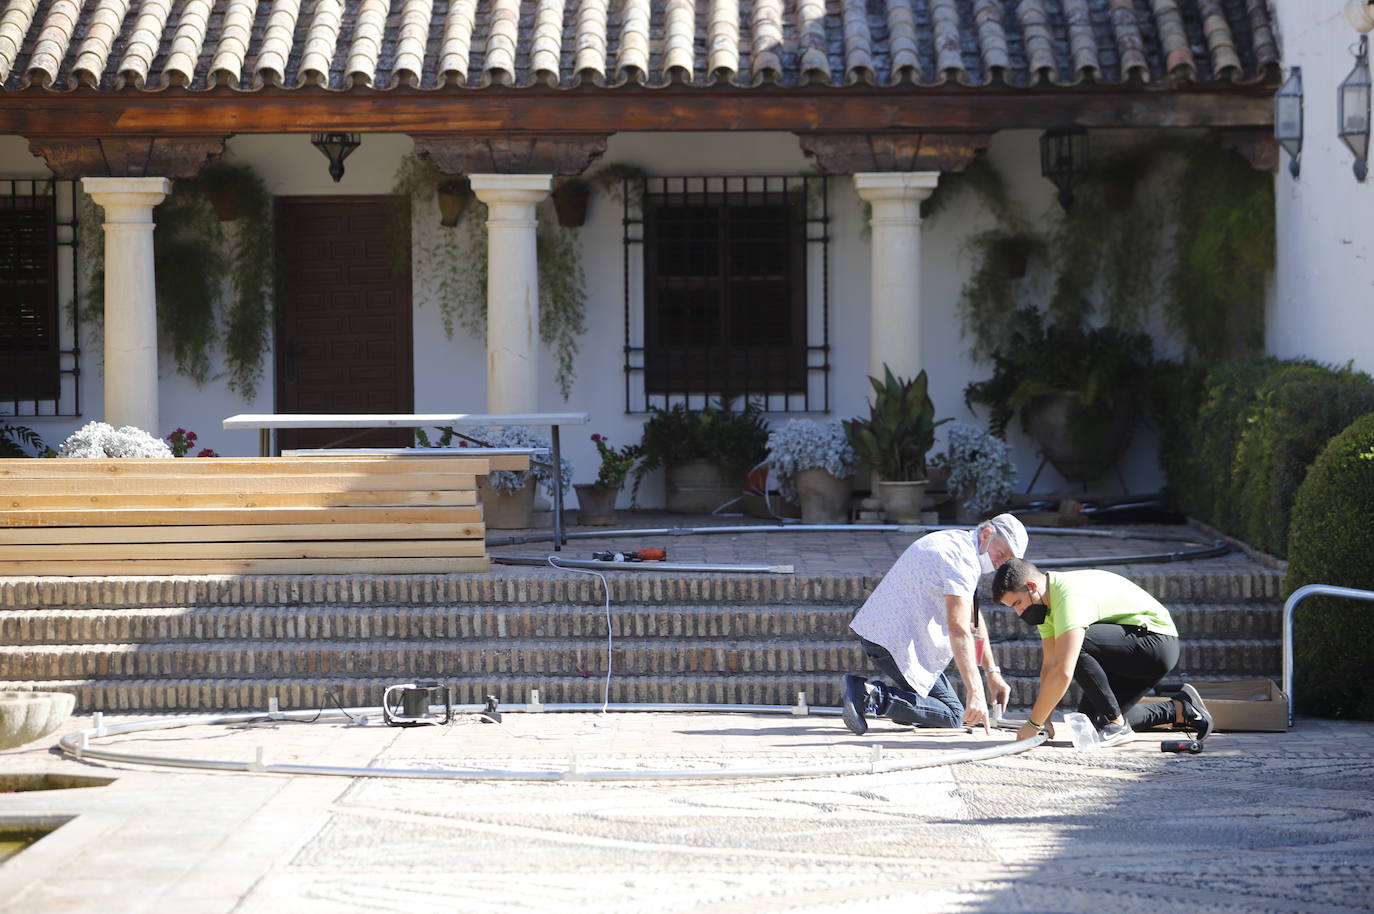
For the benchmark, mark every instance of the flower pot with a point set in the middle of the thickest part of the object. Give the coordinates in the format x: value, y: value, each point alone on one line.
x: 824, y: 498
x: 1080, y: 444
x: 901, y: 500
x: 698, y: 487
x: 506, y: 510
x: 570, y: 202
x: 27, y: 716
x: 453, y: 197
x: 225, y: 204
x: 596, y: 507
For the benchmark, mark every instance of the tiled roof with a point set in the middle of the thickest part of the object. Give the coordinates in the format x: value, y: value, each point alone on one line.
x: 433, y: 44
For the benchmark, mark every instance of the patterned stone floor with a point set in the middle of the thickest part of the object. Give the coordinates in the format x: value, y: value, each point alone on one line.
x: 1258, y: 822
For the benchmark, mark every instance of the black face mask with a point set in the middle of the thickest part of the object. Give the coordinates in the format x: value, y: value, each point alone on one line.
x: 1035, y: 614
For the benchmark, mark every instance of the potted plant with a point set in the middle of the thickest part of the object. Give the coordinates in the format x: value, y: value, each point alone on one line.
x: 1076, y: 390
x: 596, y: 500
x: 981, y: 474
x: 508, y: 495
x: 705, y: 453
x: 814, y: 464
x: 894, y: 440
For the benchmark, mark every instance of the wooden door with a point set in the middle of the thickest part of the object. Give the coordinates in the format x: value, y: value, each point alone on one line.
x: 344, y: 324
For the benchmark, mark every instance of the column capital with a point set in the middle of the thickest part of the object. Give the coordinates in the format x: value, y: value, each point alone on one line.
x: 466, y: 154
x: 497, y: 189
x: 903, y: 186
x: 849, y: 153
x: 127, y: 200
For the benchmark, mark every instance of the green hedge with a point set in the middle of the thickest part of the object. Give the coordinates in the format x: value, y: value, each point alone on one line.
x: 1239, y: 435
x: 1333, y: 543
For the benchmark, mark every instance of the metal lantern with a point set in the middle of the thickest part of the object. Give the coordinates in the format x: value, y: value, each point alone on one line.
x: 1288, y: 119
x: 1352, y: 105
x: 336, y: 147
x: 1064, y: 158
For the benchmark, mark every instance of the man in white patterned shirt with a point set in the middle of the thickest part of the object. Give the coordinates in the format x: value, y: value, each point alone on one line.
x: 920, y: 617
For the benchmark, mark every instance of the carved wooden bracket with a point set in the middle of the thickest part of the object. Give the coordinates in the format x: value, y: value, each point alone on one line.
x: 847, y: 153
x: 1258, y: 147
x: 129, y: 157
x: 511, y: 154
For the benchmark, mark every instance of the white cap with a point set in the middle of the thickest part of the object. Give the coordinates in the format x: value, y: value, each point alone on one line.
x: 1010, y: 528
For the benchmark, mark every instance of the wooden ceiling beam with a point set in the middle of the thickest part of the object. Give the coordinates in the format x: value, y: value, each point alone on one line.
x: 37, y: 112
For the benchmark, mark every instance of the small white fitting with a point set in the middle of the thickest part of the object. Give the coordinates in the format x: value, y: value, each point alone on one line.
x: 534, y: 704
x: 801, y: 709
x: 875, y: 756
x: 83, y: 745
x: 274, y: 709
x: 98, y: 718
x: 260, y: 763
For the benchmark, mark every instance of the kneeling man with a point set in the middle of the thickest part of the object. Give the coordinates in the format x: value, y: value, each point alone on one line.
x: 1106, y: 634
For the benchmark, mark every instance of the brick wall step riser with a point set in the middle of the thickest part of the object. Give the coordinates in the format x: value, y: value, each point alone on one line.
x: 206, y: 696
x: 1184, y: 586
x: 1259, y: 620
x: 425, y: 658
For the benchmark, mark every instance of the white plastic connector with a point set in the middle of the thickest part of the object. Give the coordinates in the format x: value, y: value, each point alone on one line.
x: 259, y: 764
x: 995, y: 718
x: 98, y: 719
x: 534, y: 704
x: 801, y: 709
x: 274, y: 709
x: 82, y: 745
x: 874, y: 758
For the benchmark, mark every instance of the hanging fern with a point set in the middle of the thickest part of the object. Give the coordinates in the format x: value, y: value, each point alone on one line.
x: 562, y: 296
x: 188, y: 276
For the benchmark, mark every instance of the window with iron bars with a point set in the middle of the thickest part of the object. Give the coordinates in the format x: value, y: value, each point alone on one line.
x: 39, y: 356
x: 726, y: 292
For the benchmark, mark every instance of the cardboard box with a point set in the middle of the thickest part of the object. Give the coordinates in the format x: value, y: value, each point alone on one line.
x: 1244, y: 704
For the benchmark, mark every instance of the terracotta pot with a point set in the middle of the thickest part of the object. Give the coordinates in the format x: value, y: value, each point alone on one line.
x: 901, y: 500
x: 453, y: 199
x: 824, y: 498
x: 1080, y: 446
x: 698, y: 487
x: 225, y: 204
x: 596, y: 508
x: 506, y: 510
x: 570, y: 202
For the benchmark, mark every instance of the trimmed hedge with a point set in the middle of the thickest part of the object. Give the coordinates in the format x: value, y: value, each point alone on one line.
x: 1239, y: 435
x: 1333, y: 543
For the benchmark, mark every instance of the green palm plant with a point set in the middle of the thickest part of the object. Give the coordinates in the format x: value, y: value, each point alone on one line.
x: 900, y: 429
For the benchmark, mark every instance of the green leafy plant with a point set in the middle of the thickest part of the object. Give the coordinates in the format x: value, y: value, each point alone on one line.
x: 1332, y: 542
x: 16, y: 439
x: 1099, y: 365
x: 900, y: 429
x: 735, y: 439
x: 616, y: 463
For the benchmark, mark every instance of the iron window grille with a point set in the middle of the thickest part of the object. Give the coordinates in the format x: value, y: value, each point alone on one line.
x: 727, y: 292
x: 40, y: 353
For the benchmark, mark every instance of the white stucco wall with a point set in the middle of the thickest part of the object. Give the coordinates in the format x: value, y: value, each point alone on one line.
x: 1323, y: 307
x: 450, y: 373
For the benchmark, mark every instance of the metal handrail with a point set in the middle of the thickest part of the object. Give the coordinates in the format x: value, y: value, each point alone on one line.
x: 1296, y: 597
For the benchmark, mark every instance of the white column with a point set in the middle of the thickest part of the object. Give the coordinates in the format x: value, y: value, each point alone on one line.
x: 894, y: 314
x: 131, y: 392
x: 512, y: 289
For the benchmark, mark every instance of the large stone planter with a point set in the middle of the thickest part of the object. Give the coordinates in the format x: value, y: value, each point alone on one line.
x: 698, y: 487
x: 596, y: 507
x: 824, y: 498
x: 27, y: 716
x: 901, y: 500
x: 506, y: 510
x: 1080, y: 446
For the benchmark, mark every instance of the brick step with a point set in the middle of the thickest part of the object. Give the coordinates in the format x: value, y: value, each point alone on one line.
x: 228, y: 694
x: 1182, y: 584
x: 480, y: 657
x: 200, y: 624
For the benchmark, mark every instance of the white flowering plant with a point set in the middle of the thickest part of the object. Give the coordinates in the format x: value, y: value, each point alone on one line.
x: 981, y: 471
x: 541, y: 465
x: 98, y: 439
x: 801, y: 444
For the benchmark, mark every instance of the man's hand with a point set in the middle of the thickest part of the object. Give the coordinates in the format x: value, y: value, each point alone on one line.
x: 975, y: 709
x: 1027, y: 731
x: 998, y: 689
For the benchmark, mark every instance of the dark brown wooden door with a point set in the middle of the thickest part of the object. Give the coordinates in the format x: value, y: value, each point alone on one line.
x: 344, y: 324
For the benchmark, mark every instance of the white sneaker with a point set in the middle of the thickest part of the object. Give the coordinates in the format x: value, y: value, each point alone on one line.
x: 1113, y: 733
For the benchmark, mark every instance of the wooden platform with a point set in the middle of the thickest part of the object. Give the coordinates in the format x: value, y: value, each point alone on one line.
x: 206, y: 515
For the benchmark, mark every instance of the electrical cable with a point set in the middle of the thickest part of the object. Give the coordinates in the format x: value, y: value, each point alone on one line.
x: 610, y: 641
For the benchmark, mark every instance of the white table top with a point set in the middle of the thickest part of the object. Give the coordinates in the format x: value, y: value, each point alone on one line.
x: 399, y: 420
x: 476, y: 452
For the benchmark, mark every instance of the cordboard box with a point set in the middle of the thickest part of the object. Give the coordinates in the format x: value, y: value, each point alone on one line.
x: 1243, y: 704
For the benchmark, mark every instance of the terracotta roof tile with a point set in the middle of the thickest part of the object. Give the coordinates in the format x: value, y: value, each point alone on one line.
x: 471, y: 44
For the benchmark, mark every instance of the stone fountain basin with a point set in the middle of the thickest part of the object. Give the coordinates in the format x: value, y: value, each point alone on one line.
x: 27, y: 716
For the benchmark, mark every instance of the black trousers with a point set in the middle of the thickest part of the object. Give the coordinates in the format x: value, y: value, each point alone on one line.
x: 1117, y: 666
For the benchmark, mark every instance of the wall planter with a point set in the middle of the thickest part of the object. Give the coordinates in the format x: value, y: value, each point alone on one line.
x: 506, y: 510
x: 1080, y: 442
x: 901, y: 500
x: 570, y: 202
x: 824, y: 497
x: 453, y: 197
x: 596, y: 507
x: 698, y: 487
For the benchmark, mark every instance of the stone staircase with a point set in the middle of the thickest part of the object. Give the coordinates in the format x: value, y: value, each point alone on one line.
x: 200, y: 644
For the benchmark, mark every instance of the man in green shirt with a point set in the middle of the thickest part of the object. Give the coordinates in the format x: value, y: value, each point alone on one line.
x: 1106, y: 634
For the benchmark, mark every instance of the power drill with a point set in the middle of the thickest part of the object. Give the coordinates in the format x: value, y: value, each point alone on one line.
x: 636, y: 555
x: 1191, y: 746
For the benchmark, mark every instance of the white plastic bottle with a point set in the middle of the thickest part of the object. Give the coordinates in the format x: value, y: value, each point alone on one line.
x: 1081, y: 732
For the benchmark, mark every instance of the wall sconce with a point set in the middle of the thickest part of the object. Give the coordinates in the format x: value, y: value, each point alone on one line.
x: 1064, y: 157
x: 336, y: 147
x: 1352, y: 107
x: 1288, y: 119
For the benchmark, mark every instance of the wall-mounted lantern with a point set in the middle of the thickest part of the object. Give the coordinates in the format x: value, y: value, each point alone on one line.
x: 336, y: 147
x: 1063, y: 159
x: 1288, y: 119
x: 1352, y: 107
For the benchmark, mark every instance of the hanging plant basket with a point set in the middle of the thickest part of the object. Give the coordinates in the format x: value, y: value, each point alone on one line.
x: 570, y: 202
x: 225, y: 202
x: 453, y: 199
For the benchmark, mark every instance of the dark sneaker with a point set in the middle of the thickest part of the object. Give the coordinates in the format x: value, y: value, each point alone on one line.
x: 1111, y: 734
x: 1196, y: 717
x: 855, y: 706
